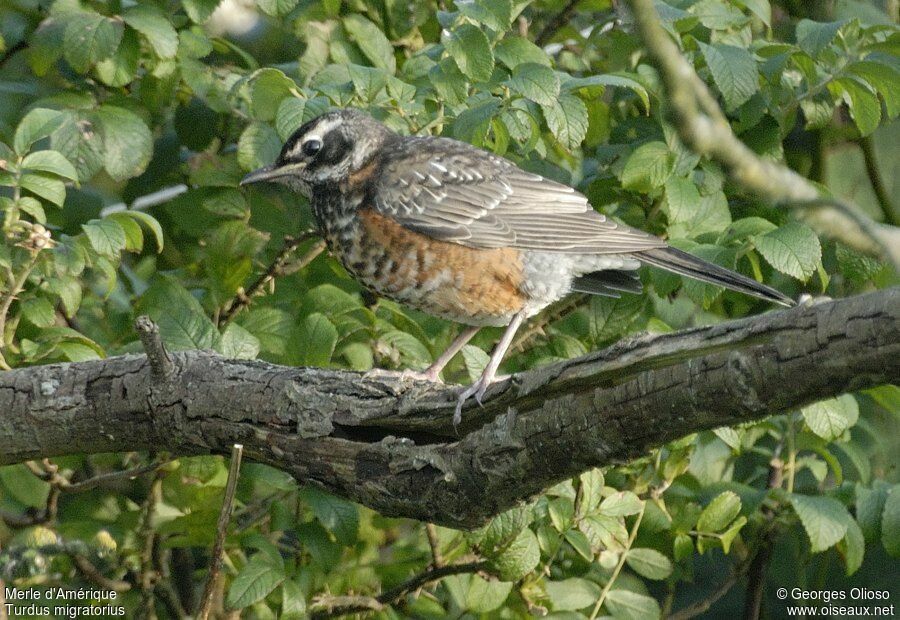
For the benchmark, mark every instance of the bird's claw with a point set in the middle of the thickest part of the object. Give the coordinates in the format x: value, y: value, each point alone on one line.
x: 477, y: 390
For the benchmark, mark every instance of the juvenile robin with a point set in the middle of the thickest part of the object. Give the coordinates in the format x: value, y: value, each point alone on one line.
x: 463, y: 234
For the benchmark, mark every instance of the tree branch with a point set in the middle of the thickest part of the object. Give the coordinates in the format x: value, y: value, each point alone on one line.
x: 703, y: 126
x: 392, y: 446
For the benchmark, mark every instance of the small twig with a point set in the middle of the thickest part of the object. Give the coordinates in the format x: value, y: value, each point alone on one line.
x: 431, y: 531
x: 101, y: 479
x: 556, y: 22
x: 147, y: 575
x: 206, y: 601
x: 278, y: 267
x: 881, y: 192
x: 536, y: 325
x: 86, y: 568
x: 618, y: 568
x: 343, y: 605
x: 159, y: 359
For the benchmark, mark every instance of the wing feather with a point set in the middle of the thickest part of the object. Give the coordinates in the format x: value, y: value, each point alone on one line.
x: 452, y: 191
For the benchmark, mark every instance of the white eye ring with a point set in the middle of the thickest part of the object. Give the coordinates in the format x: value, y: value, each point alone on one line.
x: 311, y: 146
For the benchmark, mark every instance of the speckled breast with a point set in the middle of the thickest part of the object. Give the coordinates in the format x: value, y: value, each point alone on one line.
x: 472, y: 286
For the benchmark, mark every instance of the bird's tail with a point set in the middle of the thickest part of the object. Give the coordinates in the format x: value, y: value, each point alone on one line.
x: 673, y: 259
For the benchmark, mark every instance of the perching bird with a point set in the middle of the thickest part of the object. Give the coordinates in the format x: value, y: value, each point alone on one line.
x: 464, y: 234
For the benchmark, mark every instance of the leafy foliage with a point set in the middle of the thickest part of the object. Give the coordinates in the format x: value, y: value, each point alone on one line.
x: 106, y: 104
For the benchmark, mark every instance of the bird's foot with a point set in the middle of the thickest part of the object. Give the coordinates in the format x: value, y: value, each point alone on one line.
x: 429, y: 374
x: 477, y: 390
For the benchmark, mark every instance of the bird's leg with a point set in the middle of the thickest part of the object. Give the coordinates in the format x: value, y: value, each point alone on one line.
x: 432, y: 373
x: 490, y: 371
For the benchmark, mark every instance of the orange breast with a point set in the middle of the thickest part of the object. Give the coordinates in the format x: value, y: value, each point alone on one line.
x: 442, y: 278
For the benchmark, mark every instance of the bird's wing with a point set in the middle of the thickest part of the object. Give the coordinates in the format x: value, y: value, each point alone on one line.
x: 452, y: 191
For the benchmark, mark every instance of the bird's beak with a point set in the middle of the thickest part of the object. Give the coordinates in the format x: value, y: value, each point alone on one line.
x: 266, y: 173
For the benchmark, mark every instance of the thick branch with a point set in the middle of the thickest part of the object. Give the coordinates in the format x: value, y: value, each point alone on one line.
x: 392, y: 446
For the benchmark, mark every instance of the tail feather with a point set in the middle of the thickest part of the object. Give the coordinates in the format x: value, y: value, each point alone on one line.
x: 608, y: 283
x: 677, y: 261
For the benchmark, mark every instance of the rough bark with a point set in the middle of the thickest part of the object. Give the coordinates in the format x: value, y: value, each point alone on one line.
x: 392, y: 446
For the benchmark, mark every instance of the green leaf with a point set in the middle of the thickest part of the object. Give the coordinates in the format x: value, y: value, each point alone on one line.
x: 471, y: 50
x: 824, y: 519
x: 502, y: 529
x: 690, y: 214
x: 37, y: 124
x: 200, y: 10
x: 882, y: 77
x: 628, y: 605
x: 611, y: 317
x: 39, y: 312
x: 149, y: 222
x: 733, y: 70
x: 449, y: 82
x: 276, y: 8
x: 567, y: 119
x: 258, y: 146
x: 621, y: 504
x: 572, y: 594
x: 472, y: 124
x: 338, y: 515
x: 761, y: 8
x: 238, y: 343
x: 519, y: 558
x: 719, y: 513
x: 153, y: 24
x: 33, y: 208
x: 619, y: 80
x: 718, y: 15
x: 890, y: 522
x: 590, y: 491
x: 830, y: 418
x: 121, y: 68
x: 134, y: 236
x: 648, y: 167
x: 495, y: 14
x: 127, y: 141
x: 484, y: 596
x: 792, y: 249
x: 184, y: 329
x: 605, y: 532
x: 869, y: 509
x: 852, y: 547
x: 50, y: 161
x: 865, y: 108
x: 268, y: 87
x: 476, y: 360
x: 649, y: 563
x: 313, y: 342
x: 371, y: 40
x: 513, y: 51
x: 813, y: 37
x: 107, y: 237
x: 580, y: 543
x: 290, y: 116
x: 271, y: 326
x: 536, y: 82
x: 90, y: 37
x: 254, y: 582
x: 731, y: 533
x: 47, y: 187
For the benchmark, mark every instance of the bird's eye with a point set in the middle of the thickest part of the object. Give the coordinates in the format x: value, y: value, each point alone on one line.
x: 311, y: 147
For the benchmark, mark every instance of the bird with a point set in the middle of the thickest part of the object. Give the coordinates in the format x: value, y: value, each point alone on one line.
x: 464, y: 234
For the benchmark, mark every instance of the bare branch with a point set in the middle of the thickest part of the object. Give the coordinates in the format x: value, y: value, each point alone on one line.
x: 159, y: 358
x: 206, y: 601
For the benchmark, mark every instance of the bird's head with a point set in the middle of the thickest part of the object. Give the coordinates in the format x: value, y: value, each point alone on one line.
x: 326, y: 149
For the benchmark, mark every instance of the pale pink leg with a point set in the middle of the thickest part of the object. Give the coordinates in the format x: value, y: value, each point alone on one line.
x: 432, y: 373
x: 490, y: 371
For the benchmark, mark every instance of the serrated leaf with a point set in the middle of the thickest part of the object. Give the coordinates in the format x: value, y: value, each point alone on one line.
x: 690, y: 214
x: 865, y: 108
x: 106, y: 236
x: 449, y: 82
x: 495, y: 14
x: 621, y: 504
x: 37, y: 124
x: 200, y: 10
x: 47, y: 187
x: 254, y: 582
x: 127, y: 141
x: 813, y: 37
x: 238, y: 343
x: 90, y: 37
x: 719, y: 513
x: 580, y: 543
x: 618, y: 80
x: 472, y: 124
x: 792, y: 249
x: 571, y: 594
x: 33, y: 208
x: 476, y: 360
x: 258, y: 146
x: 761, y: 8
x: 289, y: 116
x: 824, y: 519
x: 567, y: 119
x: 890, y: 522
x: 276, y: 8
x: 134, y: 236
x: 649, y: 166
x: 121, y: 68
x: 648, y: 563
x: 733, y: 70
x: 869, y: 509
x: 830, y: 418
x: 313, y: 342
x: 519, y: 558
x: 271, y: 326
x: 155, y: 26
x: 628, y: 605
x: 502, y: 529
x: 338, y: 515
x: 852, y: 547
x: 50, y: 161
x: 268, y: 87
x: 471, y: 50
x: 149, y: 222
x: 610, y: 317
x: 39, y: 312
x: 371, y: 41
x: 604, y: 531
x: 536, y: 82
x: 882, y: 77
x: 590, y: 491
x: 483, y: 595
x: 513, y: 51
